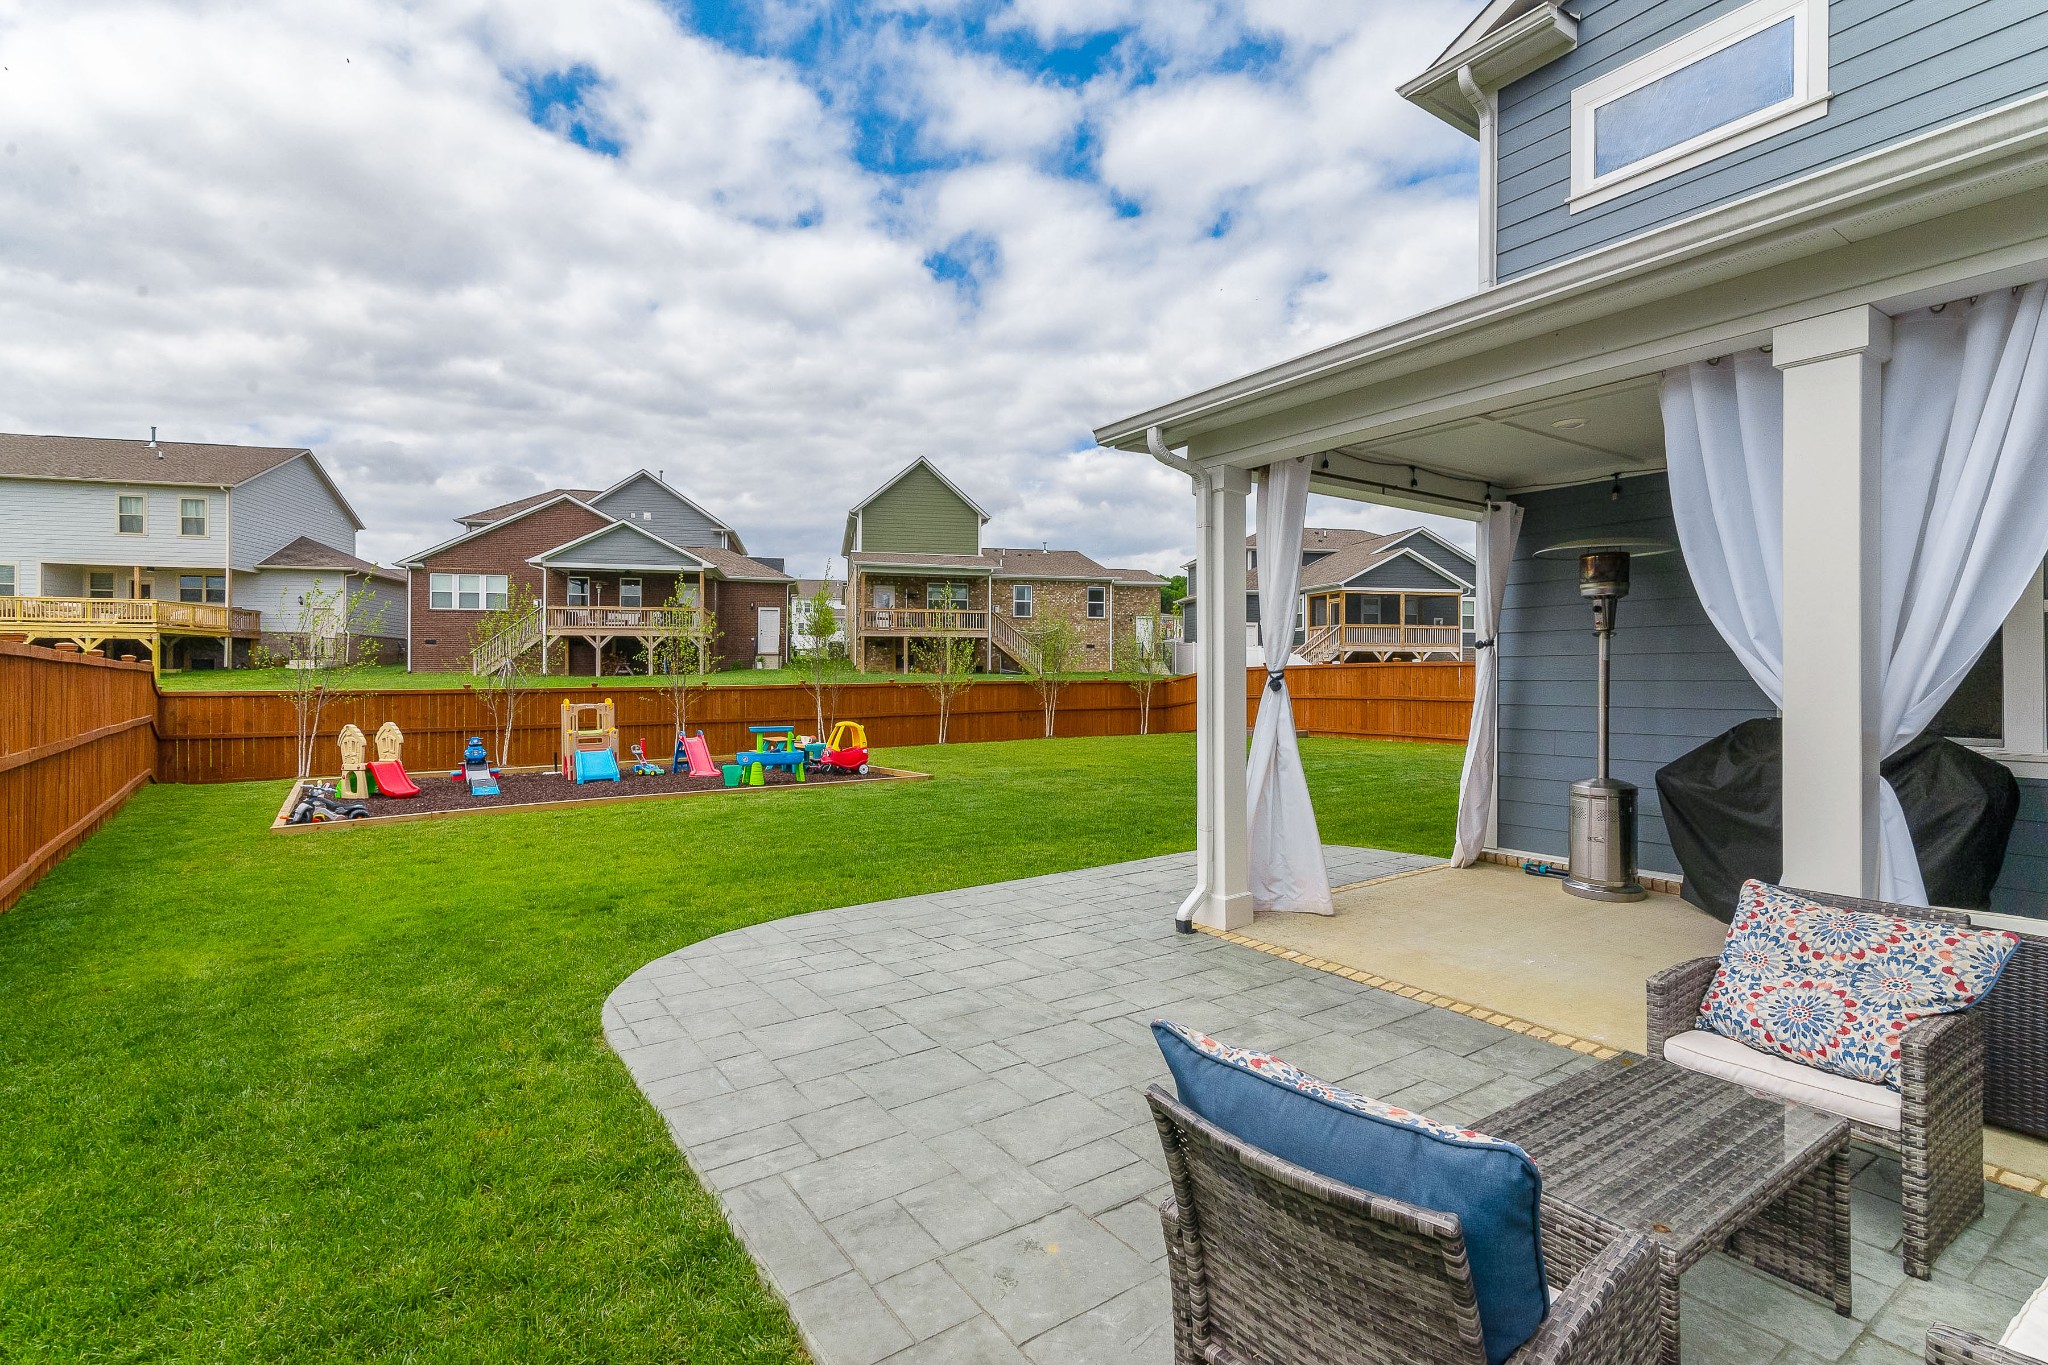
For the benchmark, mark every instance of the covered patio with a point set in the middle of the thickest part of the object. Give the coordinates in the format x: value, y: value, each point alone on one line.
x: 924, y: 1119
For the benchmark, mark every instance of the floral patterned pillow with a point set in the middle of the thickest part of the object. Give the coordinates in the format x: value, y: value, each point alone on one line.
x: 1833, y: 989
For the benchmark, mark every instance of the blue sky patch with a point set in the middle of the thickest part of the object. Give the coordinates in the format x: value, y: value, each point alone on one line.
x: 965, y: 263
x: 556, y: 101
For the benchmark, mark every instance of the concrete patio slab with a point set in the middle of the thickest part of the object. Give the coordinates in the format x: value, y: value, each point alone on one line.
x: 924, y: 1118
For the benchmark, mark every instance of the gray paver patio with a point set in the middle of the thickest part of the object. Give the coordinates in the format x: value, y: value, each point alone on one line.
x: 924, y: 1118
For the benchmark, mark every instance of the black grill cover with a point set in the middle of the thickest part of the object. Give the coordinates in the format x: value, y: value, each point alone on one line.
x: 1721, y: 805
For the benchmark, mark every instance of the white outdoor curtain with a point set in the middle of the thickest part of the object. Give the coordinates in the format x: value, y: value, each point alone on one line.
x: 1496, y: 550
x: 1286, y: 853
x: 1964, y: 451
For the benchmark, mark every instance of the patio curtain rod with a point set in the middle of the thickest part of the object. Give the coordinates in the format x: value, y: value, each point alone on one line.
x: 1331, y: 476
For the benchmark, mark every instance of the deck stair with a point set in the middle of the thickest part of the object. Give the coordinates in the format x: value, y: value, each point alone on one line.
x: 497, y: 653
x: 1012, y: 642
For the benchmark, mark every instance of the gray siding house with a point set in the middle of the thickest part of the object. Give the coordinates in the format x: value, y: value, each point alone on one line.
x: 187, y: 554
x: 1781, y: 187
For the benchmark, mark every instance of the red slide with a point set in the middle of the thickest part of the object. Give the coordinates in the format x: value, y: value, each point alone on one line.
x: 391, y: 780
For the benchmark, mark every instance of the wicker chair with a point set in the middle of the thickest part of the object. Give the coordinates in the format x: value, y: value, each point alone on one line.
x: 1273, y: 1263
x: 1940, y: 1138
x: 1953, y: 1346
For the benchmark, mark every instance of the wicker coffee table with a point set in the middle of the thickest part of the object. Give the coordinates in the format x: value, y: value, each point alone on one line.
x: 1693, y: 1163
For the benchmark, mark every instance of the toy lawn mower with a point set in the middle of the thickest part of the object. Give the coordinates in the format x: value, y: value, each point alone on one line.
x: 317, y: 805
x: 846, y: 749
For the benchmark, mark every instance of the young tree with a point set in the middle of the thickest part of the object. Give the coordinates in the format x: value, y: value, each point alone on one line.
x: 1144, y: 659
x: 684, y: 657
x: 1055, y: 647
x: 322, y: 656
x: 820, y: 659
x: 946, y: 663
x: 506, y: 655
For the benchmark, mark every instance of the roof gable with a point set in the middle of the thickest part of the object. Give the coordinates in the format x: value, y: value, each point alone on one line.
x: 554, y: 500
x: 506, y: 510
x: 641, y: 480
x: 620, y: 545
x: 1405, y: 555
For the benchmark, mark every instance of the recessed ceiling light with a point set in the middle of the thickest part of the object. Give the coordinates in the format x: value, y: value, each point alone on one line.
x: 1569, y: 423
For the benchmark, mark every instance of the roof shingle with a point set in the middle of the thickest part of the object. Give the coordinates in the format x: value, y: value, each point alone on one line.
x: 107, y: 459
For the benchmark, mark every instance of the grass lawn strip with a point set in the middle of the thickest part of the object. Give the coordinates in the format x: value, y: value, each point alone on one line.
x: 349, y: 1099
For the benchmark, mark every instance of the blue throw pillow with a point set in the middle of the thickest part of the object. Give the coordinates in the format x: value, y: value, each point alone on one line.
x: 1492, y: 1186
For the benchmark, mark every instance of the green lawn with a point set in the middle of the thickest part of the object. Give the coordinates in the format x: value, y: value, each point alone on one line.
x: 394, y: 678
x: 344, y: 1095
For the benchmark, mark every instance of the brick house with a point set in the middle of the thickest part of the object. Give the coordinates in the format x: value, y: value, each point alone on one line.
x: 604, y: 566
x: 917, y: 571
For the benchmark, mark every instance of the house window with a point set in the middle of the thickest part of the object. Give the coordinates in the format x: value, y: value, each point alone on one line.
x: 441, y: 591
x: 1432, y: 610
x: 6, y: 580
x: 1020, y: 599
x: 1319, y: 611
x: 629, y: 592
x: 1466, y: 614
x: 497, y: 591
x: 191, y: 516
x: 1746, y: 76
x: 940, y: 596
x: 128, y: 514
x: 579, y: 592
x: 1098, y: 603
x: 467, y: 591
x: 99, y: 585
x: 194, y: 587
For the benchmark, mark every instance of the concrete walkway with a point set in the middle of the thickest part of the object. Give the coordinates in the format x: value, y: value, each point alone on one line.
x: 924, y: 1119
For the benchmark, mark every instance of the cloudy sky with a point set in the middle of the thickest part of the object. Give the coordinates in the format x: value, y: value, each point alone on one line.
x: 470, y: 250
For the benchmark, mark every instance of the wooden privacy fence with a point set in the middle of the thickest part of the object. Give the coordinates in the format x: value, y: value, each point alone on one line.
x: 77, y: 737
x: 244, y: 736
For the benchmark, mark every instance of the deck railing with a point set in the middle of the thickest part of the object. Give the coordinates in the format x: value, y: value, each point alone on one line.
x: 663, y: 620
x: 924, y: 621
x: 1403, y: 637
x: 135, y: 613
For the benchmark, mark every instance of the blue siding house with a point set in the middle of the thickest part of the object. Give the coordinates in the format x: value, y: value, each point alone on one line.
x: 1808, y: 206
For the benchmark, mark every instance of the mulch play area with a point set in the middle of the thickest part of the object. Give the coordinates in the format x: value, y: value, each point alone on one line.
x: 439, y: 795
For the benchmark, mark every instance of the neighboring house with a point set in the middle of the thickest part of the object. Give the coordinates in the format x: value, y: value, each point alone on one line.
x: 1367, y: 596
x: 187, y: 554
x: 1765, y: 201
x: 603, y: 566
x: 917, y: 571
x: 803, y: 602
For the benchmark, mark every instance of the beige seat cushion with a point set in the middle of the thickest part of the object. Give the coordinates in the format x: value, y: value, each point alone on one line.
x: 1712, y: 1055
x: 2028, y: 1333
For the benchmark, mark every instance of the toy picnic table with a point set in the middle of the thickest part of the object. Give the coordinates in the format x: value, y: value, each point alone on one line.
x: 790, y: 758
x: 773, y: 738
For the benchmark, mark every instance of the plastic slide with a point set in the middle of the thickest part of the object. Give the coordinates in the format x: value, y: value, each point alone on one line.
x: 596, y: 765
x: 392, y: 780
x: 700, y: 756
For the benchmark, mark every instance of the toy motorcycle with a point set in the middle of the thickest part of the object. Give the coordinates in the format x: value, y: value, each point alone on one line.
x: 317, y: 805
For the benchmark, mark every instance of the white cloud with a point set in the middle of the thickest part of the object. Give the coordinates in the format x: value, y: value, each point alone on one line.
x: 333, y: 222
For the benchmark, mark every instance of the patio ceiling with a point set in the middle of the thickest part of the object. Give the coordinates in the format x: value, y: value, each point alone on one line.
x: 1575, y: 438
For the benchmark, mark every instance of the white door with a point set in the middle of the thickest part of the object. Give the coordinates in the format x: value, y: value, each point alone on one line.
x: 767, y: 636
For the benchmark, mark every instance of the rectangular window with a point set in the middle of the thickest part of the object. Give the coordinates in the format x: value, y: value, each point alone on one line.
x: 129, y: 514
x: 1319, y: 611
x: 1730, y: 83
x: 469, y: 592
x: 99, y: 585
x: 579, y: 592
x: 6, y: 580
x: 1466, y: 613
x: 191, y: 516
x: 194, y: 587
x: 1431, y: 610
x: 940, y: 596
x: 1020, y: 599
x: 1098, y: 603
x: 441, y: 591
x: 497, y: 591
x: 629, y: 592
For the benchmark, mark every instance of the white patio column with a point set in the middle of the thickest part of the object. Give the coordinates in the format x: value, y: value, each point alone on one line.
x: 1222, y: 896
x: 1833, y: 367
x: 2026, y: 705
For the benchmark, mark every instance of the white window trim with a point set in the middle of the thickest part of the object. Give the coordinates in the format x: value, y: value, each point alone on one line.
x: 1090, y: 603
x: 639, y: 591
x: 143, y: 498
x: 13, y: 580
x: 205, y: 518
x: 1809, y: 99
x: 1021, y: 592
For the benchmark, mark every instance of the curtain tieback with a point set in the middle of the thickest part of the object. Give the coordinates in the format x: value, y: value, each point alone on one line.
x: 1276, y: 679
x: 1482, y: 644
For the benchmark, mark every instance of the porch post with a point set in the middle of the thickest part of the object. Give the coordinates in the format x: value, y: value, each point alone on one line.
x: 1222, y: 896
x: 1833, y: 367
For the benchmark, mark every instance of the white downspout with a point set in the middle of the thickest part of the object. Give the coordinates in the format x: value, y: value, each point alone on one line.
x: 227, y: 539
x: 1484, y: 103
x: 410, y: 643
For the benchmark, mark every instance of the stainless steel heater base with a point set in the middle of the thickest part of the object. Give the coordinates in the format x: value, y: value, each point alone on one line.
x: 1603, y: 841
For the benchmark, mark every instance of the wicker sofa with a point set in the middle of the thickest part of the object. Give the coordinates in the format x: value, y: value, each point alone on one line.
x: 1939, y: 1135
x: 1271, y: 1262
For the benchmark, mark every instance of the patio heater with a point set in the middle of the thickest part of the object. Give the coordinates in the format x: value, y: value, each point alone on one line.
x: 1603, y: 813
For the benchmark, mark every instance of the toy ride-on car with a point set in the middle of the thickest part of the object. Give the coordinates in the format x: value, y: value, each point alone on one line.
x: 846, y: 749
x: 317, y: 805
